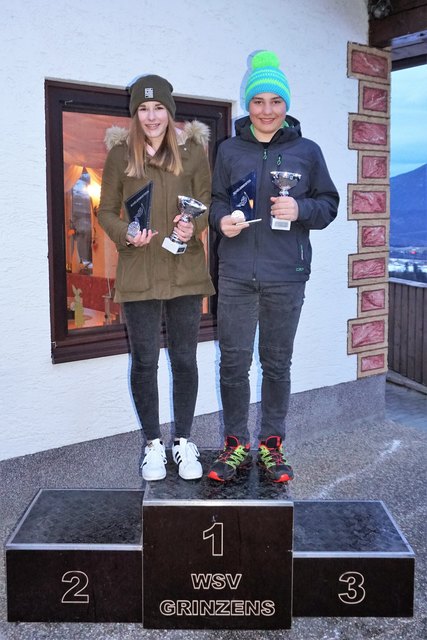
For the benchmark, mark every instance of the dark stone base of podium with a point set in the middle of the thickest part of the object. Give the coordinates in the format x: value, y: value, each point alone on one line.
x: 217, y: 556
x: 76, y: 557
x: 350, y: 560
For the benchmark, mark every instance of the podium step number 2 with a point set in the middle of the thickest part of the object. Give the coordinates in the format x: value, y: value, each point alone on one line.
x: 82, y: 550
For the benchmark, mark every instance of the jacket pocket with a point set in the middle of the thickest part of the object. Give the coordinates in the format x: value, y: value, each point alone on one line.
x: 303, y: 257
x: 133, y: 272
x: 191, y: 267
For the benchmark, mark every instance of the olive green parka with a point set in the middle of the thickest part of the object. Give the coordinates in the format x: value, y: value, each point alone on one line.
x: 151, y: 272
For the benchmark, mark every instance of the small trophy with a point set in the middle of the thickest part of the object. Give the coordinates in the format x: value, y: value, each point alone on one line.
x: 189, y: 209
x: 284, y: 180
x: 138, y: 207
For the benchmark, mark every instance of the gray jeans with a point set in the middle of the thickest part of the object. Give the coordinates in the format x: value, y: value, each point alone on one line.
x: 276, y: 307
x: 143, y: 321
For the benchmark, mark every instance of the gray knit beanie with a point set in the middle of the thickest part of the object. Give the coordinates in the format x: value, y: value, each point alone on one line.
x: 151, y: 88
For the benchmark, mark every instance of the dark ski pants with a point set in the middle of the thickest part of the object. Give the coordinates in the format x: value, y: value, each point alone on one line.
x: 276, y: 308
x: 143, y: 321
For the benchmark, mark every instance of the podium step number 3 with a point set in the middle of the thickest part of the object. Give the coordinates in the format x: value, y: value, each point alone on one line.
x: 350, y: 560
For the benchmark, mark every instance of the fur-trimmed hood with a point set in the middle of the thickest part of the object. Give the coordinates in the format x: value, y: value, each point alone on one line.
x: 195, y: 130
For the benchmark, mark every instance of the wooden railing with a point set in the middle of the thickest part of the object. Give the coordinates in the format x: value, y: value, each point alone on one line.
x: 407, y: 354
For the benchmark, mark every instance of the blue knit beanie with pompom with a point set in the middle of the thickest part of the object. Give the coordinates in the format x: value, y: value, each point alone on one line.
x: 266, y: 77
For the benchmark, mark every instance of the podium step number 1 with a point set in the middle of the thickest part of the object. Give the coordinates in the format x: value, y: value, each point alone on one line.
x: 217, y: 564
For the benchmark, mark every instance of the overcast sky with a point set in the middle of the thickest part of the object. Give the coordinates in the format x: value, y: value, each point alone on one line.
x: 408, y: 119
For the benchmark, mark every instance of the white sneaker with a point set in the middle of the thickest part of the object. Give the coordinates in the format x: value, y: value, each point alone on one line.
x: 154, y: 463
x: 186, y: 455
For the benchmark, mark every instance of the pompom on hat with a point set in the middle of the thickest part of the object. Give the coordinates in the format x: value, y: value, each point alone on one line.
x: 266, y: 77
x: 151, y: 88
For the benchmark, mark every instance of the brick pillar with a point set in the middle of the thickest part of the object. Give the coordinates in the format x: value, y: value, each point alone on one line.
x: 369, y: 205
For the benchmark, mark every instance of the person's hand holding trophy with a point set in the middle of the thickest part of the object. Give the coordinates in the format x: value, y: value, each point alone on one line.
x: 189, y: 209
x: 284, y: 180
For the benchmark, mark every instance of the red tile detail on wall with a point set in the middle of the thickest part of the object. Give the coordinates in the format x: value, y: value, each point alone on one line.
x: 372, y: 300
x: 369, y: 64
x: 369, y: 133
x: 375, y: 99
x: 374, y: 236
x: 367, y: 333
x: 368, y: 363
x: 374, y: 167
x: 373, y: 268
x: 369, y: 202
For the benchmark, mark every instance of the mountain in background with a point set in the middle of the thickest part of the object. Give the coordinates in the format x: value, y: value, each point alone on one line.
x: 408, y: 208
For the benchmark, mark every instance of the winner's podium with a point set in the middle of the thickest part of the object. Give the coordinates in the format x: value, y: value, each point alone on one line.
x: 203, y: 555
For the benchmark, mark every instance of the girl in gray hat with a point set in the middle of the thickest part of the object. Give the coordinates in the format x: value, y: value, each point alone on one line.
x: 158, y: 160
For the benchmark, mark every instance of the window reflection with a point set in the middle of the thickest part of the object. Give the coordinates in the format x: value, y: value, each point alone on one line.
x: 80, y: 233
x: 90, y: 255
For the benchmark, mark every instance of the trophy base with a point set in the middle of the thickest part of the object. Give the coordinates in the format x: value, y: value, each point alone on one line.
x: 280, y: 225
x: 174, y: 247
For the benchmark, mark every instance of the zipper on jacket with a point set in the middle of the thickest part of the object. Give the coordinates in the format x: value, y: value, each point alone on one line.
x: 301, y: 251
x: 264, y: 158
x: 263, y: 169
x: 279, y: 160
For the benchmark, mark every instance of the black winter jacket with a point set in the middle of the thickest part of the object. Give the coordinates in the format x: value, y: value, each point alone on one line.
x: 259, y: 252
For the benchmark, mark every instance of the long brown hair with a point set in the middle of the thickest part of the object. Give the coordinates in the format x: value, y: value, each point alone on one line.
x: 167, y: 156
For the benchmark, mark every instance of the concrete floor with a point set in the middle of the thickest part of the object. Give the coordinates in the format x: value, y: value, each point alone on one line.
x: 406, y: 405
x: 383, y: 460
